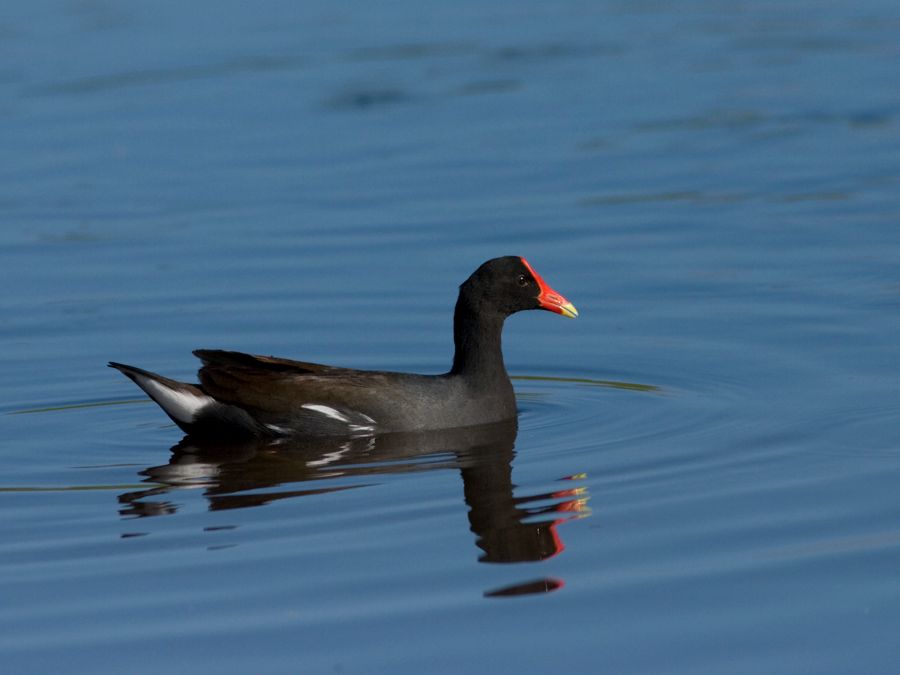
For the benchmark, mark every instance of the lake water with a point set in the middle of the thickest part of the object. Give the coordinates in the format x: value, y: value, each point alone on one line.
x: 705, y: 474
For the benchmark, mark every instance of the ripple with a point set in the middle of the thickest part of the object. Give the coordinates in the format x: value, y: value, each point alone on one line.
x: 411, y: 51
x: 545, y: 585
x: 613, y: 384
x: 753, y: 120
x: 77, y: 405
x: 138, y: 78
x: 366, y: 97
x: 858, y: 431
x: 687, y: 196
x: 594, y: 412
x: 550, y: 51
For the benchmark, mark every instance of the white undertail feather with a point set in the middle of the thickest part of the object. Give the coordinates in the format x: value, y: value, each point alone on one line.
x: 180, y: 405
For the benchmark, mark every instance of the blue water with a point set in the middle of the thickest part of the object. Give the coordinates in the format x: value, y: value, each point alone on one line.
x: 704, y: 475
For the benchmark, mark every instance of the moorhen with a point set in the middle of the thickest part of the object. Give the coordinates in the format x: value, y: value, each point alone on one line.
x: 264, y: 396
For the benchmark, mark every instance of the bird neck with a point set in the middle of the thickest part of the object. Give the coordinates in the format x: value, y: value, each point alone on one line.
x: 476, y: 336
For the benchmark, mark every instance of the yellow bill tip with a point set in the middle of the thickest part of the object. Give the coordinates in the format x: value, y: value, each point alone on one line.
x: 569, y: 310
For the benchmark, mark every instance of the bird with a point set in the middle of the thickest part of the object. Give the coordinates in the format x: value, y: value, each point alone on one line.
x: 243, y: 395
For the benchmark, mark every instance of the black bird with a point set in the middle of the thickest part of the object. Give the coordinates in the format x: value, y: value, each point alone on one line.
x: 264, y: 396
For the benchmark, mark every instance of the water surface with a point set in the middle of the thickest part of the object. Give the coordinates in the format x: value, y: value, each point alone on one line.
x: 703, y: 475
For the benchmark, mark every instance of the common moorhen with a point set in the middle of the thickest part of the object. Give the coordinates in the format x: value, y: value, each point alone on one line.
x: 244, y: 394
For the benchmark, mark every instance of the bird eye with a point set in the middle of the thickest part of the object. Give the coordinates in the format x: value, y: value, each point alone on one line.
x: 522, y: 281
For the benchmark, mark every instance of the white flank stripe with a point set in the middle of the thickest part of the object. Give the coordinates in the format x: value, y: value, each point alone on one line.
x: 364, y: 427
x: 325, y: 410
x: 181, y: 405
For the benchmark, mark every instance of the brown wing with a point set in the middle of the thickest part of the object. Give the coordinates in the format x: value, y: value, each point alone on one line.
x: 219, y: 358
x: 274, y: 390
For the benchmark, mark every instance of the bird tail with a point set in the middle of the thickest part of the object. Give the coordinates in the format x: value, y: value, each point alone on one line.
x: 182, y: 402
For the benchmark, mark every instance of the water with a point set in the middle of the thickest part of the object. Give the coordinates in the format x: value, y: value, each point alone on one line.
x: 703, y: 478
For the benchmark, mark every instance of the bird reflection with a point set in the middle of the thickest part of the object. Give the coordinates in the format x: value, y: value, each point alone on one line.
x: 508, y: 528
